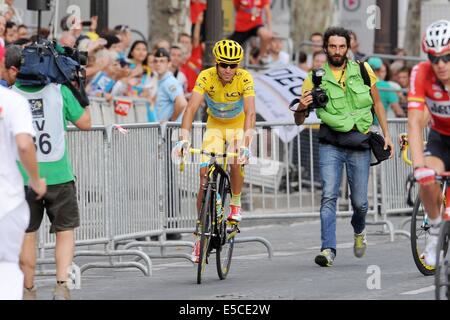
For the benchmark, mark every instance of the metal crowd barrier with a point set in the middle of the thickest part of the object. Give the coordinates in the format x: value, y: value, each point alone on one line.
x: 130, y: 190
x: 93, y: 165
x: 282, y: 181
x: 103, y: 112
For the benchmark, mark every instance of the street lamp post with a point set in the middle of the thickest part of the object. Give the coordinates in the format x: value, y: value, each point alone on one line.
x: 100, y: 8
x: 214, y: 30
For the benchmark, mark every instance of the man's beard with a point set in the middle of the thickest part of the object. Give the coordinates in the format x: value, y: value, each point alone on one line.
x: 337, y: 63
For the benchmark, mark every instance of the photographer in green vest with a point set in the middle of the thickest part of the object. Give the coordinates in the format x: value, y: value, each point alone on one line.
x: 344, y: 101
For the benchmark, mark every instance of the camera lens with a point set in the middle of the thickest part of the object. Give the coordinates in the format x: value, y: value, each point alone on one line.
x: 322, y: 99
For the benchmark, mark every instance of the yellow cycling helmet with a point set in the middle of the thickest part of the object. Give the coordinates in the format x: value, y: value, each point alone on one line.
x: 228, y: 51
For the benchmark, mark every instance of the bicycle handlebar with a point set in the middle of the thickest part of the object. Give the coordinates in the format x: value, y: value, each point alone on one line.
x: 213, y: 154
x: 209, y: 154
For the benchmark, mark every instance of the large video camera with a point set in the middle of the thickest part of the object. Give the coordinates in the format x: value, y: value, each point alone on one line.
x: 44, y: 62
x: 320, y: 98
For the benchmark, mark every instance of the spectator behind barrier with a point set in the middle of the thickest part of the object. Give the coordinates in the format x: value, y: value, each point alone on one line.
x: 319, y: 60
x: 11, y: 34
x: 104, y: 82
x: 176, y: 60
x: 317, y: 39
x: 67, y: 39
x: 2, y: 30
x: 357, y: 55
x: 194, y: 53
x: 11, y: 13
x: 254, y: 56
x: 170, y: 100
x: 123, y: 32
x: 302, y: 61
x: 403, y: 78
x: 197, y: 9
x: 389, y: 98
x: 277, y: 57
x: 249, y: 23
x: 12, y: 62
x: 142, y: 83
x: 22, y: 32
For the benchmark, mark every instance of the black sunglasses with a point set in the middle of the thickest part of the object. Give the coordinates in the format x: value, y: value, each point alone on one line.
x: 435, y: 60
x: 226, y: 65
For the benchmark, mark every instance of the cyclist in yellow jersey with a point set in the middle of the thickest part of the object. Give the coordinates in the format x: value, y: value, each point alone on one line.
x: 228, y: 92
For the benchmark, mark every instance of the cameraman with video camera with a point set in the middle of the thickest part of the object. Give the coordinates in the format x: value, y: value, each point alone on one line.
x: 343, y: 95
x: 51, y: 79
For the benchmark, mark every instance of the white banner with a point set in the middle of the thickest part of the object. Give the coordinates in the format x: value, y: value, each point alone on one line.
x: 275, y: 89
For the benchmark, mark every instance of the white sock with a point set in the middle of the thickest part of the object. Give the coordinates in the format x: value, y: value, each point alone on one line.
x: 435, y: 222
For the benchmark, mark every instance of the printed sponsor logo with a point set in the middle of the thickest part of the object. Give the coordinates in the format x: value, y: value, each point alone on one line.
x: 438, y: 95
x: 232, y: 95
x: 37, y: 108
x: 439, y: 109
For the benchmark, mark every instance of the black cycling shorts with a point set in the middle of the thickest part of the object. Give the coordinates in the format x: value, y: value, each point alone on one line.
x: 438, y: 146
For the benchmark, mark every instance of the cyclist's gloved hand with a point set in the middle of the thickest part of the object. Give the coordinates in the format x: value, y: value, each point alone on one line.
x: 180, y: 150
x: 424, y: 175
x: 244, y: 155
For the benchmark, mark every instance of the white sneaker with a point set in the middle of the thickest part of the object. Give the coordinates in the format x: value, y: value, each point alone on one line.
x: 429, y: 255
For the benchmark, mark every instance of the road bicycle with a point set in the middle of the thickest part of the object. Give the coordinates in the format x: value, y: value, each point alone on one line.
x: 216, y: 233
x: 420, y: 226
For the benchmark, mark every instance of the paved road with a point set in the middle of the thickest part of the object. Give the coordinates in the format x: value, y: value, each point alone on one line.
x: 291, y: 274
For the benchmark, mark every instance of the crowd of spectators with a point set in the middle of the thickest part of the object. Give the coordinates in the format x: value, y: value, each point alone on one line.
x: 119, y: 67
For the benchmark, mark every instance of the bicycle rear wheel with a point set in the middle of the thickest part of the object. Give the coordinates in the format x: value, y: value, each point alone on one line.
x: 226, y: 234
x: 420, y: 234
x: 442, y: 276
x: 205, y: 234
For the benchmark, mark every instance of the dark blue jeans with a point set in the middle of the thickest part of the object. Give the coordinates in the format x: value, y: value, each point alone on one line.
x: 332, y: 160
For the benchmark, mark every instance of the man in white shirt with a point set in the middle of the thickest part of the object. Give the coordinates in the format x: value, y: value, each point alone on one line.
x: 176, y: 61
x: 277, y: 57
x: 16, y: 141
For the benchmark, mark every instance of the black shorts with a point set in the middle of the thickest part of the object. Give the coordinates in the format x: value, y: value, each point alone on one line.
x: 61, y: 206
x: 202, y: 31
x: 242, y: 37
x: 438, y: 146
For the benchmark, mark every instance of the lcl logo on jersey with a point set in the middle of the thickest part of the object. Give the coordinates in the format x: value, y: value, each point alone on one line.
x: 233, y: 95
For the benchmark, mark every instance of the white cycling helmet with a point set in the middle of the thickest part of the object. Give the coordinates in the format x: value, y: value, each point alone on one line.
x: 437, y: 38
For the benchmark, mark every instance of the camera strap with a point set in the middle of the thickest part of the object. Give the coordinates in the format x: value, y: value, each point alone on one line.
x: 364, y: 74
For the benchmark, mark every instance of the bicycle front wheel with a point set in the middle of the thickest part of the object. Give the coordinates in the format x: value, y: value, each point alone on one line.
x: 226, y: 233
x: 205, y: 234
x: 420, y: 235
x: 442, y: 276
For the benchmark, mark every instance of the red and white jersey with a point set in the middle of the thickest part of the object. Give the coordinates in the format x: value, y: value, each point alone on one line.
x: 427, y: 91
